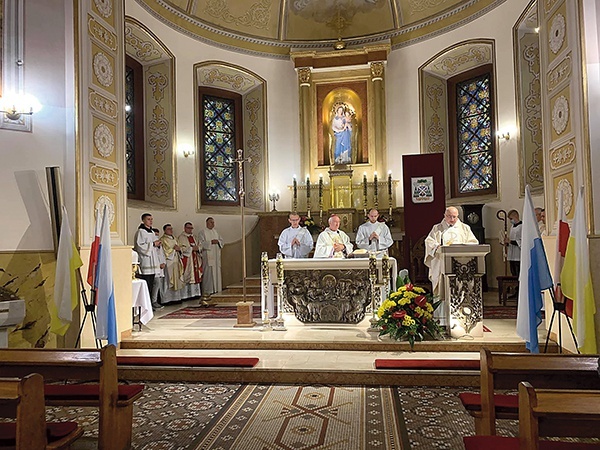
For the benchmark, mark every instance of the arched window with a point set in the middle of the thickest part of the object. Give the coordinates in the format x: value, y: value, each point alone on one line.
x: 134, y: 128
x: 472, y: 148
x: 221, y: 135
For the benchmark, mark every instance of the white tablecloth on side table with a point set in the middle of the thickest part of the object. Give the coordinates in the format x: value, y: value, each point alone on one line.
x: 141, y: 299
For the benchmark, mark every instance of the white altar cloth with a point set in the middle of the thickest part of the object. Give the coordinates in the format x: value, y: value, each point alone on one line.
x: 326, y: 264
x: 141, y: 299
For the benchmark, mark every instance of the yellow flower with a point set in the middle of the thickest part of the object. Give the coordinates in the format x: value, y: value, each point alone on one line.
x: 429, y: 307
x: 408, y: 321
x: 419, y: 290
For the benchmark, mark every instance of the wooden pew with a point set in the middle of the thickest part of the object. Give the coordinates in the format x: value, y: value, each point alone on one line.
x: 115, y: 402
x: 506, y: 370
x: 23, y: 399
x: 552, y: 412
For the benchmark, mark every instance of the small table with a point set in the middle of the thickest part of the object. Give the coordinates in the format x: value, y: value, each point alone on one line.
x: 142, y: 307
x: 507, y: 285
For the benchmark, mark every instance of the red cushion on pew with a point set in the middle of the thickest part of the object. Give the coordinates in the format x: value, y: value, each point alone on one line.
x: 509, y: 443
x: 502, y: 402
x: 185, y: 361
x: 88, y: 392
x: 428, y: 364
x: 54, y: 432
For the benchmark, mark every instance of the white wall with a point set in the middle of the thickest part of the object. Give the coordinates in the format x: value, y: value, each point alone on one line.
x: 282, y: 125
x: 403, y: 102
x: 48, y: 56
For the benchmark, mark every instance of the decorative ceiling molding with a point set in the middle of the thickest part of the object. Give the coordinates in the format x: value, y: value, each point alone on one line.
x: 275, y: 27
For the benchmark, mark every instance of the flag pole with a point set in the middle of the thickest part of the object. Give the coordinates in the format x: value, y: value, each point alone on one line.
x: 89, y: 308
x: 559, y: 306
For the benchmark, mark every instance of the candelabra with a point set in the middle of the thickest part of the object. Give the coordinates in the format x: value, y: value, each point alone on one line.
x: 365, y: 193
x: 374, y: 291
x: 320, y: 198
x: 274, y: 198
x: 279, y: 322
x: 385, y: 273
x: 375, y: 189
x: 389, y: 186
x: 295, y: 195
x: 307, y: 195
x: 265, y: 282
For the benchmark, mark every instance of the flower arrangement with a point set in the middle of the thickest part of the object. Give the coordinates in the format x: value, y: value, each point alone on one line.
x: 407, y: 313
x: 310, y: 224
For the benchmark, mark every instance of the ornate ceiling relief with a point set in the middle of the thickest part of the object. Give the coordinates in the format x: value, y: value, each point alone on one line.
x: 101, y: 104
x: 422, y: 5
x: 257, y: 16
x: 104, y: 140
x: 533, y: 155
x: 103, y: 69
x: 556, y: 36
x: 226, y: 78
x: 435, y: 132
x: 105, y: 201
x: 104, y: 175
x: 560, y: 114
x: 102, y: 33
x: 565, y: 184
x: 144, y: 50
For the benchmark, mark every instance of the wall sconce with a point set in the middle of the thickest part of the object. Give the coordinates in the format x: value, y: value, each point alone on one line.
x: 187, y: 151
x: 16, y: 105
x: 274, y: 197
x: 503, y: 135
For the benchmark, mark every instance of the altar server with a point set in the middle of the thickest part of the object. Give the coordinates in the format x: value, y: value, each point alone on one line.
x: 295, y: 241
x: 373, y: 235
x: 212, y: 243
x: 333, y: 242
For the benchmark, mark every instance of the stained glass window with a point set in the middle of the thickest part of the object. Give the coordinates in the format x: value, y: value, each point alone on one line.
x: 473, y: 152
x: 130, y: 130
x: 219, y: 131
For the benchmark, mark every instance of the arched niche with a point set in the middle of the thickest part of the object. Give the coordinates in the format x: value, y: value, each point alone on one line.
x: 252, y: 89
x: 434, y: 77
x: 159, y: 108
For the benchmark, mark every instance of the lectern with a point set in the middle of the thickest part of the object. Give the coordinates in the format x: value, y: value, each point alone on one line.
x: 463, y: 268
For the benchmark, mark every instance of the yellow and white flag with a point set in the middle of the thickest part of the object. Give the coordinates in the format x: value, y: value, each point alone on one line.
x: 576, y: 280
x: 66, y: 289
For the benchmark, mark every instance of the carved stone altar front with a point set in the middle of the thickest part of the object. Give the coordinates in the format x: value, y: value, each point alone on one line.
x: 340, y: 296
x: 325, y: 290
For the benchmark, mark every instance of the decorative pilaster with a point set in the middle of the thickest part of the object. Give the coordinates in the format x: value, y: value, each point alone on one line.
x: 304, y: 81
x: 377, y: 74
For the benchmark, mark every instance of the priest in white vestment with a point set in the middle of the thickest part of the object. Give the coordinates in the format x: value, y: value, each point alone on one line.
x: 211, y: 243
x: 448, y: 232
x: 374, y: 236
x: 144, y: 243
x: 295, y: 241
x: 333, y: 242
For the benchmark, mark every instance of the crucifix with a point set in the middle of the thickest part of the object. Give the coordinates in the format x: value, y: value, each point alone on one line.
x: 240, y: 160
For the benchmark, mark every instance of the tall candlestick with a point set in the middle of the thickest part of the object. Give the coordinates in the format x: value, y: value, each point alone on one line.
x: 307, y: 195
x: 295, y: 198
x: 390, y: 198
x: 376, y: 201
x: 365, y: 193
x: 320, y: 196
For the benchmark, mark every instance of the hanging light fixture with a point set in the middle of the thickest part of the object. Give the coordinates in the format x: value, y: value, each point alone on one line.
x: 15, y: 102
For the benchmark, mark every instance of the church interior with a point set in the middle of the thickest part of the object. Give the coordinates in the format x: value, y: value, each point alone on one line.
x: 246, y: 111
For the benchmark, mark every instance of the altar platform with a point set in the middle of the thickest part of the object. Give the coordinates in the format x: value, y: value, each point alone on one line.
x: 308, y: 353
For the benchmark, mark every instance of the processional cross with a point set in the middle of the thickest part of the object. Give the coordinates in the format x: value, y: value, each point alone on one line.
x: 240, y: 160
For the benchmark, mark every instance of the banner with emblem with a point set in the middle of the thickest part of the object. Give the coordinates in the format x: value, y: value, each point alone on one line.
x: 422, y: 189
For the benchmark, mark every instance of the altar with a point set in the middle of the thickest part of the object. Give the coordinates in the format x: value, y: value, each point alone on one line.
x: 328, y: 290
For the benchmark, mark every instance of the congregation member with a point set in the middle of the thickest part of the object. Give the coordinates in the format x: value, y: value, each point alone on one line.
x: 295, y: 241
x: 192, y: 262
x: 374, y: 236
x: 145, y: 241
x: 212, y: 243
x: 159, y: 287
x: 333, y: 242
x: 513, y: 242
x: 174, y: 267
x: 449, y: 231
x: 540, y: 215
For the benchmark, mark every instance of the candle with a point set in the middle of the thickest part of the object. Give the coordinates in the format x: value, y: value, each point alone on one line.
x: 295, y: 190
x: 390, y: 197
x: 279, y: 268
x: 307, y: 195
x: 365, y: 192
x: 320, y: 195
x: 375, y: 189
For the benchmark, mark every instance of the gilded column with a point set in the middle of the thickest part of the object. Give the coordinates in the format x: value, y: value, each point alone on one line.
x: 305, y: 117
x: 377, y: 73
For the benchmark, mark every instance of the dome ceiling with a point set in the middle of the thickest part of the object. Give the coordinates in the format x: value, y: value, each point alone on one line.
x: 276, y: 26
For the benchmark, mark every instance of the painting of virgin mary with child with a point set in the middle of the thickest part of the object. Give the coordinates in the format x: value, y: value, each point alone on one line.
x: 341, y: 126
